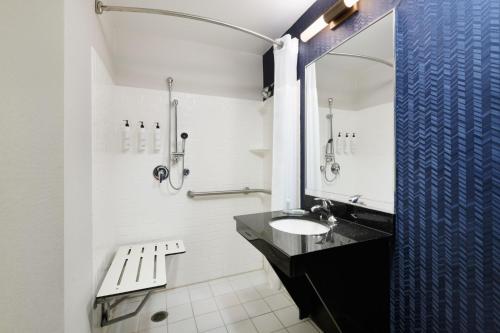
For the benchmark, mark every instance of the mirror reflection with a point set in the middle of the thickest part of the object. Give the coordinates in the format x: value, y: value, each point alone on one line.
x: 350, y: 120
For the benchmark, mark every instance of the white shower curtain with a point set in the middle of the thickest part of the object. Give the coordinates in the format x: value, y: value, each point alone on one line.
x: 313, y: 144
x: 286, y: 134
x: 286, y: 127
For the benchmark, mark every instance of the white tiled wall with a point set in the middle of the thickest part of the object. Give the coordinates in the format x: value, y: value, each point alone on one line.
x: 370, y: 171
x: 130, y: 206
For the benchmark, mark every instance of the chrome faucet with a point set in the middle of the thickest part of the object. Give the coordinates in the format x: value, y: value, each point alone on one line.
x: 324, y: 210
x: 355, y: 199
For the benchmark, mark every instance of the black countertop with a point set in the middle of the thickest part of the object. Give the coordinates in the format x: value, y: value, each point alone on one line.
x: 256, y: 228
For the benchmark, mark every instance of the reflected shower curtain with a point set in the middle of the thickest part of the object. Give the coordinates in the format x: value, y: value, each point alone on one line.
x: 313, y: 144
x: 286, y: 127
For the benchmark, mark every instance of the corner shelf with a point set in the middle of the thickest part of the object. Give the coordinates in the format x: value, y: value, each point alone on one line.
x: 261, y: 151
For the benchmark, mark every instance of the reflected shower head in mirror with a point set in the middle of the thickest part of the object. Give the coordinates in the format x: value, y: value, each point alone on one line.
x: 184, y: 136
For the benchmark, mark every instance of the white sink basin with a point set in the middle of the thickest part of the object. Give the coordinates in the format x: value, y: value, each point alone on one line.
x: 299, y: 227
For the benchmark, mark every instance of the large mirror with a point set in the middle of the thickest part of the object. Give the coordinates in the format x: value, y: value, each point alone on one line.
x: 350, y: 139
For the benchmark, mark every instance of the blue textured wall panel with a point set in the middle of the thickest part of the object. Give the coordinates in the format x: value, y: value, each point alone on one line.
x: 446, y: 266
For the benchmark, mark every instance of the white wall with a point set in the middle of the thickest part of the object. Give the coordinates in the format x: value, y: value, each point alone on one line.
x: 82, y: 32
x: 370, y: 171
x: 130, y: 206
x: 199, y: 67
x: 31, y: 166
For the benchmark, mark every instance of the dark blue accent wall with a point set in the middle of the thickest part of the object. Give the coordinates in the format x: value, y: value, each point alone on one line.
x: 447, y: 256
x: 446, y: 267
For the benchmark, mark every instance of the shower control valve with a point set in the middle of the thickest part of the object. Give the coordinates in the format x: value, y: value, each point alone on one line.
x: 186, y: 172
x: 160, y: 173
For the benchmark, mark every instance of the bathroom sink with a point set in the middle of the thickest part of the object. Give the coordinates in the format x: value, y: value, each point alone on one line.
x: 299, y: 227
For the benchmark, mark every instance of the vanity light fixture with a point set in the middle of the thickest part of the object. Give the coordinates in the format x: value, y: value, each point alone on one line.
x: 335, y: 15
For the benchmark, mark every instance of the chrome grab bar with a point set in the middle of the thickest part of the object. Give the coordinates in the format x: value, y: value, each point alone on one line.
x: 246, y: 190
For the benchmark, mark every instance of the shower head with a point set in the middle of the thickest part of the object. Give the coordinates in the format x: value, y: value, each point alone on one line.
x: 170, y: 82
x: 184, y: 136
x: 175, y: 102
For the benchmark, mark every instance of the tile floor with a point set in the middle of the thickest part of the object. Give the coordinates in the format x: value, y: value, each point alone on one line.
x: 237, y: 304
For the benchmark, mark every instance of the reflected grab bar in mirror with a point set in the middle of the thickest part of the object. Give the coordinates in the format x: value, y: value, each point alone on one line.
x: 246, y: 190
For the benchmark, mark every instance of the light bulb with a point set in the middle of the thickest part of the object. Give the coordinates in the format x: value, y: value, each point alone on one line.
x: 350, y: 3
x: 313, y: 29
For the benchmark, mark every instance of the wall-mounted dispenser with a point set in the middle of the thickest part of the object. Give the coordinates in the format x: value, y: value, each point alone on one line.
x: 157, y: 138
x: 338, y: 144
x: 345, y: 144
x: 141, y: 137
x: 126, y: 136
x: 353, y: 143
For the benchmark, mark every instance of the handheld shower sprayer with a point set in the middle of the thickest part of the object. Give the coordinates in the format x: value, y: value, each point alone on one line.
x: 174, y: 155
x: 184, y: 136
x: 329, y: 157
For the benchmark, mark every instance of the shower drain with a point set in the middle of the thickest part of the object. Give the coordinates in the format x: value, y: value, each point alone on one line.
x: 159, y: 316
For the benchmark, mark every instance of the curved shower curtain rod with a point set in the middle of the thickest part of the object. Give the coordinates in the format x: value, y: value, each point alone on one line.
x: 101, y: 8
x: 381, y: 61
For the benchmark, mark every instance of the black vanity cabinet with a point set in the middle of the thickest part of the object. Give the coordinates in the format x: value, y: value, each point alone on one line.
x: 340, y: 279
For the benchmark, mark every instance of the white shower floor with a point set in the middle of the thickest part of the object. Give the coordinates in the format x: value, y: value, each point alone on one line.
x: 237, y: 304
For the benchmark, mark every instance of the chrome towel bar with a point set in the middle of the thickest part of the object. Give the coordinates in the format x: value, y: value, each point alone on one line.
x: 246, y: 190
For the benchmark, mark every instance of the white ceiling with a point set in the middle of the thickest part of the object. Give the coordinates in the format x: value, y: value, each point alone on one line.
x: 203, y: 58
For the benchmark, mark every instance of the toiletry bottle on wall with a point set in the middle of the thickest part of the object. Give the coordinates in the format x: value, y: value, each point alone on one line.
x: 157, y: 138
x: 126, y: 136
x: 345, y: 144
x: 338, y: 144
x: 353, y: 143
x: 141, y: 137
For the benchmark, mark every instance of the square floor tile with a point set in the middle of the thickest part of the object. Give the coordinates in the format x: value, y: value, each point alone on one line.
x: 199, y: 293
x: 162, y: 329
x: 233, y: 314
x: 156, y: 302
x: 247, y: 295
x: 176, y: 290
x: 258, y: 277
x: 267, y: 323
x: 218, y: 330
x: 304, y: 327
x: 179, y: 312
x: 288, y: 316
x: 227, y: 300
x: 209, y: 321
x: 145, y: 321
x: 178, y: 298
x: 204, y: 306
x: 183, y: 326
x: 256, y: 308
x: 244, y: 326
x: 130, y: 325
x: 278, y: 301
x: 198, y: 285
x: 220, y: 288
x: 239, y: 283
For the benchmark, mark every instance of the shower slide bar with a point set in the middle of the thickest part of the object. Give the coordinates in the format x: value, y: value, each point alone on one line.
x: 100, y: 8
x: 245, y: 190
